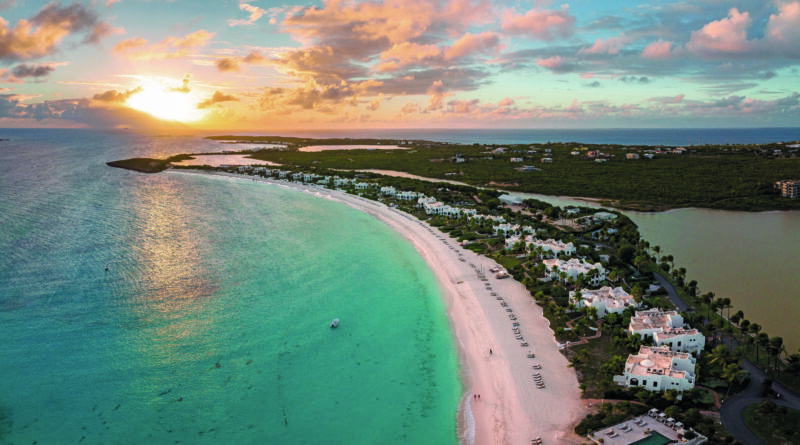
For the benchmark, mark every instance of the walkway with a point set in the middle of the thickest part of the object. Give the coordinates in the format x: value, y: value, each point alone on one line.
x: 733, y: 408
x: 673, y: 293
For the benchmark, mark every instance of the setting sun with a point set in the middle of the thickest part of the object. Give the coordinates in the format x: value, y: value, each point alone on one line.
x: 168, y: 103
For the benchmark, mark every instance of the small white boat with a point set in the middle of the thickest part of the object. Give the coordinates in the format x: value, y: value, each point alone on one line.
x: 335, y: 323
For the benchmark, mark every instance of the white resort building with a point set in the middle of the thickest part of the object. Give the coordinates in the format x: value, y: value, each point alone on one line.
x: 606, y: 300
x: 666, y: 328
x: 407, y: 196
x: 389, y: 191
x: 553, y: 248
x: 506, y: 229
x: 656, y: 368
x: 573, y: 267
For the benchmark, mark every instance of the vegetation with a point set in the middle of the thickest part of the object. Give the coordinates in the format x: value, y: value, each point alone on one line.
x: 773, y: 423
x: 147, y: 165
x: 738, y: 177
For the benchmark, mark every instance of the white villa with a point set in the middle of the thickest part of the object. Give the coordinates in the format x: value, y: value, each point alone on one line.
x: 337, y: 181
x: 361, y: 185
x: 507, y: 229
x: 407, y: 196
x: 438, y: 208
x: 606, y: 300
x: 297, y: 176
x: 282, y: 174
x: 512, y: 240
x: 425, y: 200
x: 390, y: 191
x: 499, y: 219
x: 667, y: 329
x: 553, y: 248
x: 573, y: 267
x: 656, y: 368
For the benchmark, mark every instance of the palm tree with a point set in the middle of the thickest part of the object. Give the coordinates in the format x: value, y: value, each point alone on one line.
x: 755, y: 328
x: 775, y: 348
x: 762, y: 339
x: 657, y: 250
x: 732, y: 373
x: 744, y: 325
x: 719, y: 355
x: 707, y: 298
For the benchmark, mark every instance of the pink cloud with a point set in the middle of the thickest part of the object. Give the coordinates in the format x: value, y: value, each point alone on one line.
x: 463, y: 106
x: 43, y: 33
x: 610, y: 46
x: 169, y: 48
x: 660, y: 50
x: 784, y: 27
x: 470, y: 44
x: 406, y: 53
x: 254, y: 11
x: 542, y: 24
x: 668, y: 100
x: 506, y: 102
x: 437, y: 95
x: 555, y: 64
x: 728, y: 35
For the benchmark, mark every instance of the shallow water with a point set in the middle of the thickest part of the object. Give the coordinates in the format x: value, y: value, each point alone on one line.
x: 212, y: 322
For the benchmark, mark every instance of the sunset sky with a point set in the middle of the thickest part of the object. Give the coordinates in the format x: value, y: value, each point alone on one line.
x: 251, y: 65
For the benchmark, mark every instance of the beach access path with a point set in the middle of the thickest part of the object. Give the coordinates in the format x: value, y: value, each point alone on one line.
x: 511, y: 408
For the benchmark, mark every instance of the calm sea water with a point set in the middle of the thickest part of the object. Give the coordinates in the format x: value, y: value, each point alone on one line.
x: 211, y: 324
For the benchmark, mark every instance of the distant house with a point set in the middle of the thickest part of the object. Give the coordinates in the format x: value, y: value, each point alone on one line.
x: 516, y: 159
x: 527, y: 168
x: 789, y: 189
x: 593, y: 153
x: 361, y: 185
x: 547, y: 160
x: 600, y: 160
x: 632, y: 156
x: 574, y: 153
x: 389, y: 191
x: 649, y: 155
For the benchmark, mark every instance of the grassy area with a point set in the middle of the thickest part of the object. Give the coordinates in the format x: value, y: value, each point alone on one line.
x: 774, y: 428
x: 591, y: 376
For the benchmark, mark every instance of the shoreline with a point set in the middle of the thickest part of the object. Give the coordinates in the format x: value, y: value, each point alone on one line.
x: 511, y: 410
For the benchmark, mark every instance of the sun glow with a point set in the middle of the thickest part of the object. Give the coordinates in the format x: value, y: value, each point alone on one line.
x: 167, y: 103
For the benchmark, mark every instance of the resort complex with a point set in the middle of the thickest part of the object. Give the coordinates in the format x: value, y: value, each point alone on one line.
x: 591, y: 276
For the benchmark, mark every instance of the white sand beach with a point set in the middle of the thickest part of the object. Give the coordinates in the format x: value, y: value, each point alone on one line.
x: 511, y: 408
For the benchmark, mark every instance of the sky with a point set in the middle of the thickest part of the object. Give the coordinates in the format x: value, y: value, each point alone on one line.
x: 251, y: 65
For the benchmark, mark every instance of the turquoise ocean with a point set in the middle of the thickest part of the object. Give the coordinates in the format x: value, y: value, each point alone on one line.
x: 212, y: 323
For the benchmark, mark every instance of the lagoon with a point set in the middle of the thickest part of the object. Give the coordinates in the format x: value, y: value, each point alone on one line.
x: 748, y: 257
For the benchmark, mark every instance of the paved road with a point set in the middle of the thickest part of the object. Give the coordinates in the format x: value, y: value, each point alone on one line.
x: 733, y: 408
x: 673, y: 293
